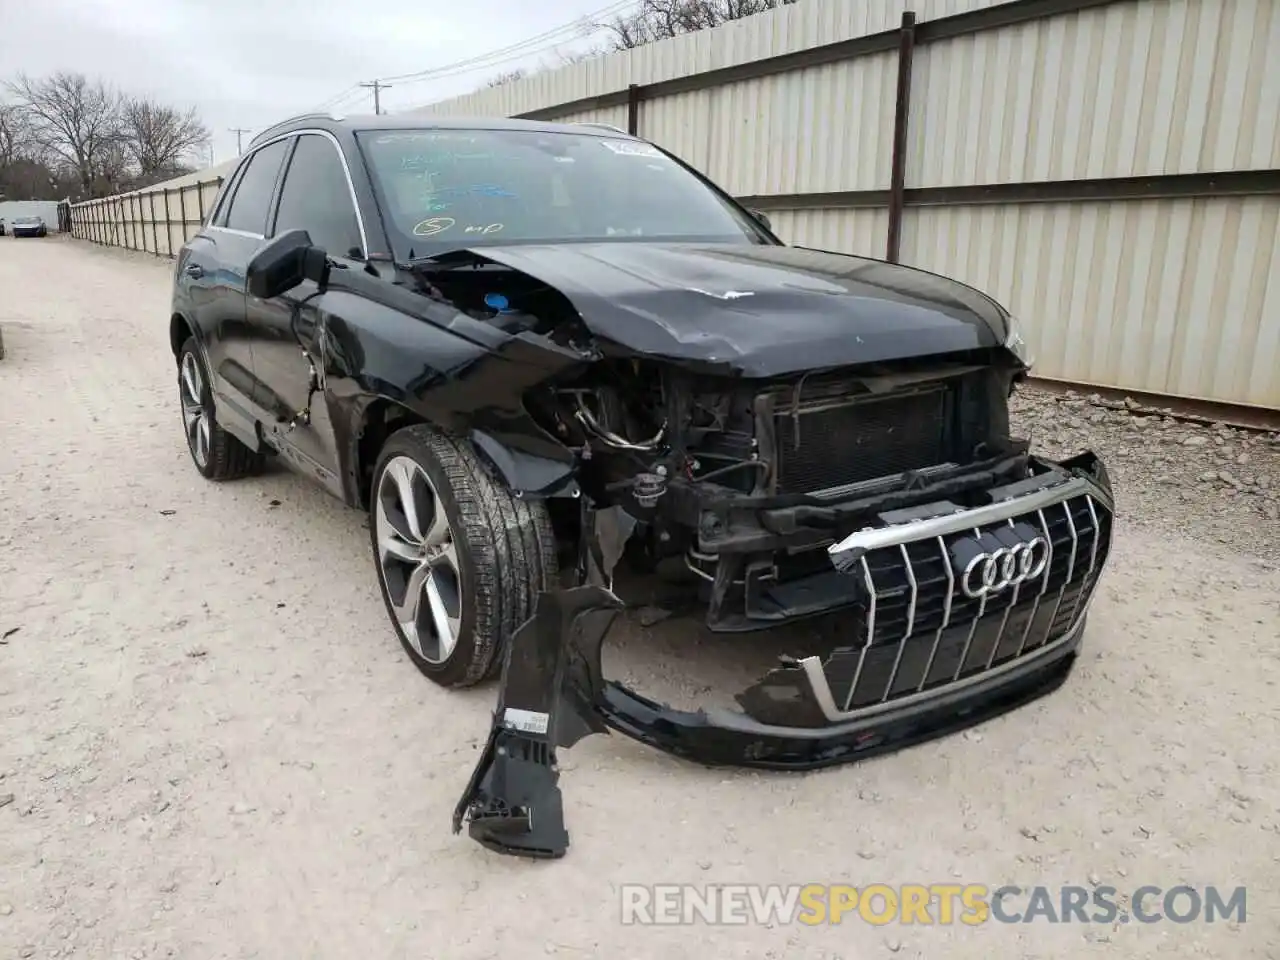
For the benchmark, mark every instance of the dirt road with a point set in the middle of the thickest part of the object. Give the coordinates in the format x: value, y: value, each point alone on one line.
x: 216, y: 749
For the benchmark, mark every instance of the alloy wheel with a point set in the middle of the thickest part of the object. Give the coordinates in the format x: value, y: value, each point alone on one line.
x: 194, y: 416
x: 418, y: 559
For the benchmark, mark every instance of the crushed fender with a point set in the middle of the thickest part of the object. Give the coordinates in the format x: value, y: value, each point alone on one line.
x: 550, y: 684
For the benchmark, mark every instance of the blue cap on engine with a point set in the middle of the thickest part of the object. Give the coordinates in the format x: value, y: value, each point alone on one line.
x: 496, y: 301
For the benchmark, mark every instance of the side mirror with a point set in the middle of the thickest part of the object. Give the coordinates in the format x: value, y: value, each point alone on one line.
x: 760, y: 215
x: 284, y: 263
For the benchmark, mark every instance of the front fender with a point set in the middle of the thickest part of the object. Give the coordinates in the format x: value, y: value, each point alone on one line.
x: 526, y: 473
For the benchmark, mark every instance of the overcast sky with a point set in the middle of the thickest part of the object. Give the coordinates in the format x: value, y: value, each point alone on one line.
x: 249, y: 63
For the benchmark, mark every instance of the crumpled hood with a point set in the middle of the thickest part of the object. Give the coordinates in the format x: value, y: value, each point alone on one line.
x: 761, y: 311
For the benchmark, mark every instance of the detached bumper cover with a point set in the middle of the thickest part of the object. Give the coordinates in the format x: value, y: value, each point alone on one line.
x: 933, y: 648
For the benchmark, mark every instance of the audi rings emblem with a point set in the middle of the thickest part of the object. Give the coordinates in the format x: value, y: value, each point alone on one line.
x: 1004, y: 567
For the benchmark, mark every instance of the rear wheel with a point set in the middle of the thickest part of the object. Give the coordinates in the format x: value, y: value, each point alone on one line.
x: 216, y: 454
x: 460, y: 560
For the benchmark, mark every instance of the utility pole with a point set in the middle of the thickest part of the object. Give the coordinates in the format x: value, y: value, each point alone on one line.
x: 377, y: 86
x: 239, y: 131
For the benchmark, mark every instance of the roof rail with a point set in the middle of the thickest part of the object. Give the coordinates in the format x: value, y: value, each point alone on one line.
x: 320, y: 115
x: 603, y: 126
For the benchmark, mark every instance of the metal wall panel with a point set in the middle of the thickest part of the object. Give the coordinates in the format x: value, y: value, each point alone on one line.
x: 785, y: 30
x: 823, y: 129
x: 845, y: 231
x: 1177, y: 297
x: 614, y: 116
x: 1142, y: 88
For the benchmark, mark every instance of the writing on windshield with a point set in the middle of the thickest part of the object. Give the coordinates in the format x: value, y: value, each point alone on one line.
x: 442, y: 188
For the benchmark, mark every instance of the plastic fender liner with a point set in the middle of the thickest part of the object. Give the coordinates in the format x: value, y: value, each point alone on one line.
x: 525, y: 472
x: 550, y: 683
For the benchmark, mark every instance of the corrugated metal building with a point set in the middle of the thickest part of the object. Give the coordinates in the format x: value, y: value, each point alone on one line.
x: 1057, y: 156
x: 1108, y: 169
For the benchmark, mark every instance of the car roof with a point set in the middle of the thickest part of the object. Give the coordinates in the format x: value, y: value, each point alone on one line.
x: 368, y: 122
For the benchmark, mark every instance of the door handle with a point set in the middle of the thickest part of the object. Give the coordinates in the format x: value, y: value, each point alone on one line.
x: 194, y: 270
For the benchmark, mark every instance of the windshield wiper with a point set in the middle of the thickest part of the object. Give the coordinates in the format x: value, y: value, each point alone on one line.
x: 452, y: 260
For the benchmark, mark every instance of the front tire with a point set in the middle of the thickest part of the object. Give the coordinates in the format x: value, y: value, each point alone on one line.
x: 460, y: 560
x: 216, y: 454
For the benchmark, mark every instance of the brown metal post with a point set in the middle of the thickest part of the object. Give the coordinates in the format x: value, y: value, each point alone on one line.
x: 633, y: 109
x: 155, y: 227
x: 182, y: 211
x: 200, y: 200
x: 168, y: 226
x: 902, y: 108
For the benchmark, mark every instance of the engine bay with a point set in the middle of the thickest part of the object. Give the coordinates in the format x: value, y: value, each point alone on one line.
x: 743, y: 481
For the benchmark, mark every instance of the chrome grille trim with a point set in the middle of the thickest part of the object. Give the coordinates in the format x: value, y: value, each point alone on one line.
x: 911, y: 621
x: 1093, y: 560
x: 1071, y: 561
x: 1032, y: 508
x: 844, y: 554
x: 812, y: 667
x: 1044, y: 587
x: 871, y: 633
x: 946, y: 612
x: 973, y: 627
x: 1004, y: 621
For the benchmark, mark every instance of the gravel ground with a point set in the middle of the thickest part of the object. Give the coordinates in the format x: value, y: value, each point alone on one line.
x: 1210, y: 482
x: 211, y: 746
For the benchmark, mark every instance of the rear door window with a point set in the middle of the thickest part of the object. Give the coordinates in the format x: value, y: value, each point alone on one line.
x: 252, y: 200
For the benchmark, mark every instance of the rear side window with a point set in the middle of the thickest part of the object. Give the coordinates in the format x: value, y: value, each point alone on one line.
x: 252, y: 199
x: 316, y: 198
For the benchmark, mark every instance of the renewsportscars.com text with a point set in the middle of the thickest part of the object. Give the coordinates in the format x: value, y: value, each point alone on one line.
x: 943, y: 904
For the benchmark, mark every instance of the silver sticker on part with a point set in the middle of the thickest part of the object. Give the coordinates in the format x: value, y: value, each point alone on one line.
x: 526, y: 721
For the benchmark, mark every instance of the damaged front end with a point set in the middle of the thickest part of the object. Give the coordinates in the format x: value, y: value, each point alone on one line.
x: 807, y: 437
x: 964, y: 610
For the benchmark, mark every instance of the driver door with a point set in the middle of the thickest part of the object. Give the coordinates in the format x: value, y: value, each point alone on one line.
x: 315, y: 196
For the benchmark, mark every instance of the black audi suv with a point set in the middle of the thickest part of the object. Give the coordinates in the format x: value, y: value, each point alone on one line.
x: 535, y: 352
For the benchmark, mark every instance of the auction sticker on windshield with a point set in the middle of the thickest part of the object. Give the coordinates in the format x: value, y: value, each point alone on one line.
x: 632, y: 148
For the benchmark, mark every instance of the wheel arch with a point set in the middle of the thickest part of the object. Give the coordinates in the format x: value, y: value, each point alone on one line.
x: 519, y: 471
x: 179, y: 330
x: 379, y: 419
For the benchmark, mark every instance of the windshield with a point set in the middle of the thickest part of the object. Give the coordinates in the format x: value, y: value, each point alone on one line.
x: 445, y: 189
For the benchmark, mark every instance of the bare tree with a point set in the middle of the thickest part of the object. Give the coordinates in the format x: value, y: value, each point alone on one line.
x: 661, y: 19
x: 113, y: 171
x: 15, y: 135
x: 564, y: 58
x: 159, y: 139
x: 77, y: 121
x: 507, y: 76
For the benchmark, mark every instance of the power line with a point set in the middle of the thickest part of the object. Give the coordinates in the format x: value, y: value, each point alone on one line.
x: 578, y: 27
x: 377, y: 86
x: 335, y: 99
x: 516, y: 50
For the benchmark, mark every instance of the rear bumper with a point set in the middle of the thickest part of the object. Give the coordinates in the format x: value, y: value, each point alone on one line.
x: 926, y: 656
